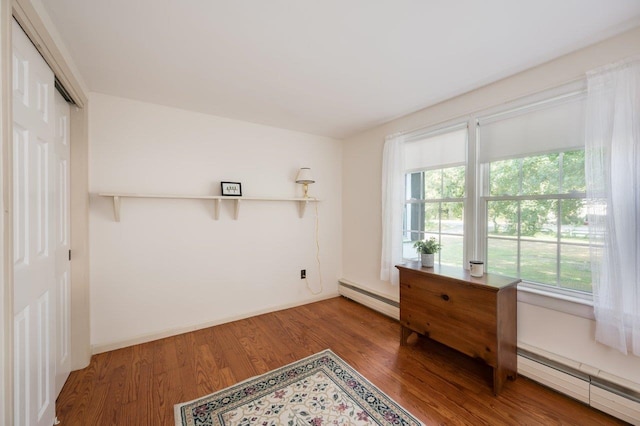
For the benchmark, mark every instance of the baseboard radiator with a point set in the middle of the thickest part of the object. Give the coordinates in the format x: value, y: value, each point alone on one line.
x: 377, y: 302
x: 604, y: 395
x: 619, y: 401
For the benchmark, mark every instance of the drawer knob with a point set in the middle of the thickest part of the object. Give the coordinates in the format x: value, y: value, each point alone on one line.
x: 445, y: 297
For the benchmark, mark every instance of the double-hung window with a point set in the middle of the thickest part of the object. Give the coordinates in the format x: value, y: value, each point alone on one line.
x: 511, y: 193
x: 435, y: 192
x: 532, y: 208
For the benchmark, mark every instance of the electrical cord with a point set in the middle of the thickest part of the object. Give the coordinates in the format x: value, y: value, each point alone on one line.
x: 317, y: 253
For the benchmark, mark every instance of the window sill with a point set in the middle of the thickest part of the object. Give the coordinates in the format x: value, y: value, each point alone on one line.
x: 558, y: 302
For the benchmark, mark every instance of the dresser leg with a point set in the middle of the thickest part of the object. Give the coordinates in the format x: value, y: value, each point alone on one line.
x: 404, y: 335
x: 498, y: 380
x: 500, y: 376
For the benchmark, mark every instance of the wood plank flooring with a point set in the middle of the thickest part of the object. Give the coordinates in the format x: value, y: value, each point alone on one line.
x: 140, y: 384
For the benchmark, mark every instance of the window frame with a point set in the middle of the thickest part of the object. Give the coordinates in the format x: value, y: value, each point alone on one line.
x: 475, y: 204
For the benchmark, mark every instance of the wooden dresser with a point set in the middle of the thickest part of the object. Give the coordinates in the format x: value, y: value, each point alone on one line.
x: 476, y: 316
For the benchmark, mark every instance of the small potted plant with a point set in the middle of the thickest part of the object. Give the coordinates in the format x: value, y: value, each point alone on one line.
x: 427, y: 249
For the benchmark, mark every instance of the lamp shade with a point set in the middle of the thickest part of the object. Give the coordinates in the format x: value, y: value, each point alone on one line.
x: 304, y: 176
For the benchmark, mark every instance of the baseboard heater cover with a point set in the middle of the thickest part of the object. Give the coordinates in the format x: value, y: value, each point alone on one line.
x: 569, y: 384
x: 372, y: 300
x: 612, y: 398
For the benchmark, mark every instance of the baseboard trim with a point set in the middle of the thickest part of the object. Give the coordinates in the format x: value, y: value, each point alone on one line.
x: 106, y: 347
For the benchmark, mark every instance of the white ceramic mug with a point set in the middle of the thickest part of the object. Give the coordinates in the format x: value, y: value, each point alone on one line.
x: 476, y: 268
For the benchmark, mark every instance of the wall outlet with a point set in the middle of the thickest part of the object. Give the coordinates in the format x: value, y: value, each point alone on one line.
x: 303, y: 274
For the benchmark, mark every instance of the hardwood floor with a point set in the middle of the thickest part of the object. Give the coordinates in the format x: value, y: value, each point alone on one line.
x: 140, y: 384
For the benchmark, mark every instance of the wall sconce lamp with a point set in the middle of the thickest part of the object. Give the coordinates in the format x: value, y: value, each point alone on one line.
x: 304, y: 177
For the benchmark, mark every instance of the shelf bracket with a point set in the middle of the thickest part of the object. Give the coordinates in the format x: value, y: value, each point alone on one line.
x: 116, y: 208
x: 237, y: 208
x: 302, y: 206
x: 216, y: 208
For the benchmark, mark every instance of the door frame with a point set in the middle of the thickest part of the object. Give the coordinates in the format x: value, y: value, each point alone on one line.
x: 38, y: 31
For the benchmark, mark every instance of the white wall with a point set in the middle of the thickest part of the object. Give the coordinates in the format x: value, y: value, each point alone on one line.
x: 362, y: 159
x: 168, y: 266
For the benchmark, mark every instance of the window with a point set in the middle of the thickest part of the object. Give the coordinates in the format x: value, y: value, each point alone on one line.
x: 435, y: 208
x: 532, y: 212
x: 536, y: 220
x: 518, y: 201
x: 435, y: 194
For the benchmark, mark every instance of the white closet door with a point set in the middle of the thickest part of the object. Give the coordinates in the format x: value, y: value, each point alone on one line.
x: 61, y: 202
x: 34, y: 235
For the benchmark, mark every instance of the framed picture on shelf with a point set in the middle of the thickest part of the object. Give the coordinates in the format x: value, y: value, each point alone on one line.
x: 231, y: 189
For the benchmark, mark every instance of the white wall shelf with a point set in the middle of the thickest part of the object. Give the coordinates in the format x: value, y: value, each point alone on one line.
x: 217, y: 199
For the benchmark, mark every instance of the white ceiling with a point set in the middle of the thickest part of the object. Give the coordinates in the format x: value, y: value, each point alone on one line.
x: 327, y: 67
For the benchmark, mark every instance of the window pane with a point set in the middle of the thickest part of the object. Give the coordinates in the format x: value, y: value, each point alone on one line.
x: 538, y: 262
x: 408, y: 252
x: 432, y: 217
x: 573, y: 179
x: 539, y: 219
x: 451, y: 252
x: 574, y: 226
x: 414, y: 185
x: 504, y: 177
x: 452, y: 214
x: 431, y: 235
x: 541, y: 174
x: 453, y: 182
x: 502, y: 257
x: 406, y: 218
x: 433, y: 184
x: 596, y: 214
x: 413, y: 219
x: 502, y: 218
x: 575, y: 267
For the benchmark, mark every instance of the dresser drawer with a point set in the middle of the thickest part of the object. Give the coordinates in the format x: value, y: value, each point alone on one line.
x: 455, y: 314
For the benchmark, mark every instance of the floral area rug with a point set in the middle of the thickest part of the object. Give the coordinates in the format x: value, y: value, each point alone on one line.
x: 319, y: 390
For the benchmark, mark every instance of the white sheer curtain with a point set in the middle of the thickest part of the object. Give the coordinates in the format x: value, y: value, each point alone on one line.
x: 613, y: 192
x: 392, y: 206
